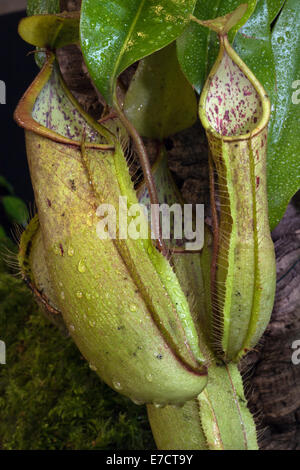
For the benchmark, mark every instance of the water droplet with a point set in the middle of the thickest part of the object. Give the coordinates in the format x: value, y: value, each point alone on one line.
x: 117, y: 385
x: 133, y: 308
x: 81, y: 266
x: 62, y: 294
x: 149, y: 377
x: 92, y: 367
x: 92, y: 323
x: 72, y: 327
x: 159, y: 405
x: 88, y: 295
x: 137, y: 402
x: 79, y: 294
x: 70, y: 251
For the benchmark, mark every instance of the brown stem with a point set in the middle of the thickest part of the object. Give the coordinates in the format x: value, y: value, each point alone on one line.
x: 148, y: 176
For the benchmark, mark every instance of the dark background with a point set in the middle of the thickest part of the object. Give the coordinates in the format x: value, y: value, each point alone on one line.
x: 17, y: 70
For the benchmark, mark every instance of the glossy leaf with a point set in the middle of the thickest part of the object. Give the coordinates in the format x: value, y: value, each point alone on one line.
x: 223, y: 24
x: 115, y: 34
x: 197, y: 47
x: 274, y: 6
x: 51, y: 31
x: 38, y: 7
x: 160, y: 101
x: 284, y: 138
x: 253, y: 44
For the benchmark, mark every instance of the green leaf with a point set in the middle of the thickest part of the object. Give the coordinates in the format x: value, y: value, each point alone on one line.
x: 160, y: 101
x: 115, y: 34
x: 16, y: 209
x: 274, y: 6
x: 253, y: 44
x: 223, y: 24
x: 5, y: 184
x: 52, y: 31
x: 38, y: 7
x: 197, y: 47
x: 284, y: 138
x: 2, y: 232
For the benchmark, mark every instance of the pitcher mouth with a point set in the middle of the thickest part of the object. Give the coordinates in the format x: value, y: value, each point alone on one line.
x: 26, y: 117
x: 227, y: 116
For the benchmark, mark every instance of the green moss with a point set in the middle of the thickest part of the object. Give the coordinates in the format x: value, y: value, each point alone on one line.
x: 49, y: 398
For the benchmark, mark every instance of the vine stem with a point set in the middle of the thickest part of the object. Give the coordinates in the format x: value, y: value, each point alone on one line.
x: 148, y: 176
